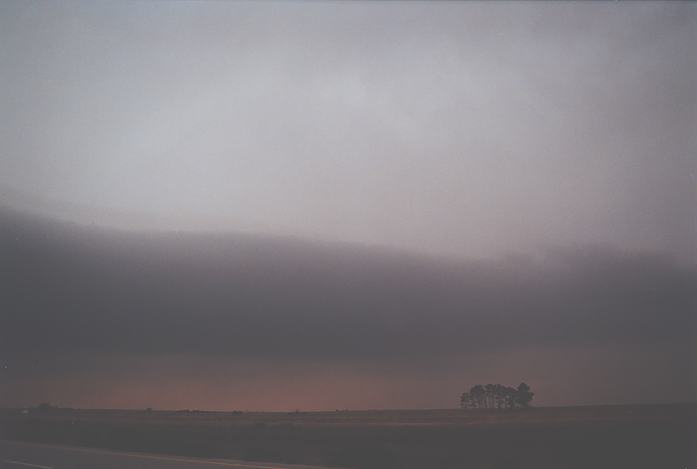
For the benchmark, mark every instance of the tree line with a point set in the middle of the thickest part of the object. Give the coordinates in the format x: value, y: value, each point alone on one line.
x: 496, y: 396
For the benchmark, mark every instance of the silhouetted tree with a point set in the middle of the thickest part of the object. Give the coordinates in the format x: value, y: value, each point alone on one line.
x: 509, y: 397
x: 466, y: 401
x: 489, y: 389
x: 523, y: 395
x: 496, y: 396
x: 478, y: 395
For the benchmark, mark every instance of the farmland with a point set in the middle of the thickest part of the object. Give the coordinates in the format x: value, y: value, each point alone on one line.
x: 553, y: 437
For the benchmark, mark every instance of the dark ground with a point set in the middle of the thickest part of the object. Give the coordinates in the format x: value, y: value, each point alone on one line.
x: 647, y: 436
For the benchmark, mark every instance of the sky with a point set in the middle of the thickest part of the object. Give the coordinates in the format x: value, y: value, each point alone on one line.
x: 280, y: 205
x: 457, y: 128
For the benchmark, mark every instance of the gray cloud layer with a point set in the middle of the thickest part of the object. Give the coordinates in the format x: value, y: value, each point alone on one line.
x: 79, y: 289
x: 460, y: 128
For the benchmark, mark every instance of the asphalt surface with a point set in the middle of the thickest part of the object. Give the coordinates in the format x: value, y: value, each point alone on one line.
x: 19, y: 455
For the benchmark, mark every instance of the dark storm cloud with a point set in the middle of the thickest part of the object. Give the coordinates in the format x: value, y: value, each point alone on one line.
x: 70, y: 289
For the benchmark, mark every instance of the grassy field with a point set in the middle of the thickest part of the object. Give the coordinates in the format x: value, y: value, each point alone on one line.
x: 646, y: 436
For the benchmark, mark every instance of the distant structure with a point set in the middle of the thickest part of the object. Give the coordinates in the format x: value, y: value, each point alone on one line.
x: 45, y: 407
x: 496, y: 396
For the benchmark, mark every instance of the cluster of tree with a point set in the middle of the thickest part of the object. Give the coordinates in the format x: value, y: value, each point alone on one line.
x: 199, y: 411
x: 496, y: 396
x: 48, y: 407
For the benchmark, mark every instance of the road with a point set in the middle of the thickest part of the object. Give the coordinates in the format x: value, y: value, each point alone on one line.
x: 16, y: 455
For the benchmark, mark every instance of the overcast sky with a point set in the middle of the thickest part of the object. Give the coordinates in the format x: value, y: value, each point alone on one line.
x: 534, y: 164
x: 458, y: 128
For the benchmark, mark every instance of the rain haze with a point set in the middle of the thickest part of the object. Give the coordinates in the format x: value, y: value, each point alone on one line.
x: 320, y: 205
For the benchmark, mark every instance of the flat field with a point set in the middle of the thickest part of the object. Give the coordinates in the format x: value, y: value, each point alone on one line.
x: 638, y: 436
